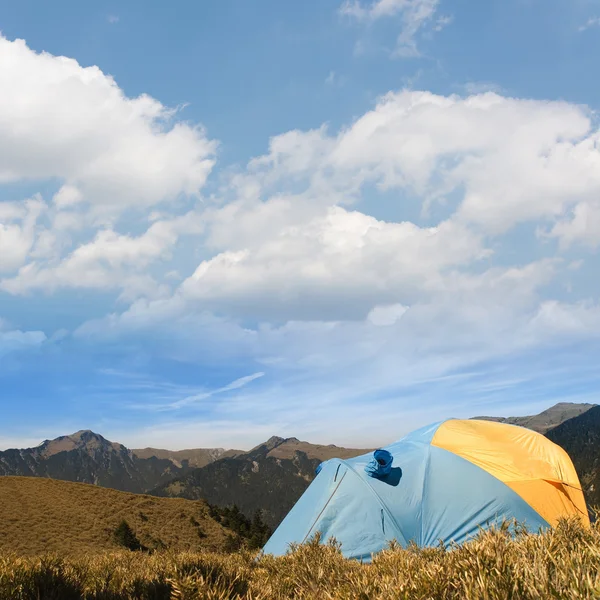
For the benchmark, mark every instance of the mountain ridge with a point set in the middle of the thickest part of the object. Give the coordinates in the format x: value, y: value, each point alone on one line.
x: 547, y: 419
x: 580, y: 438
x: 269, y: 477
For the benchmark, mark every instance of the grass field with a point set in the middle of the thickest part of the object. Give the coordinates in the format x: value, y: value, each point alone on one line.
x: 563, y: 563
x: 45, y: 515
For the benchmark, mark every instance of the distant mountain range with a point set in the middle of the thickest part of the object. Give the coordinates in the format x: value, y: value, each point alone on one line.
x: 184, y: 459
x: 580, y: 437
x: 547, y: 419
x: 270, y: 477
x: 87, y: 457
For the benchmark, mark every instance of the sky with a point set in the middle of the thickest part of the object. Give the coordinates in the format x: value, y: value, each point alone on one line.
x: 338, y: 220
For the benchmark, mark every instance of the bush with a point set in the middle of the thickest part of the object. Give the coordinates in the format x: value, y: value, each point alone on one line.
x: 125, y: 536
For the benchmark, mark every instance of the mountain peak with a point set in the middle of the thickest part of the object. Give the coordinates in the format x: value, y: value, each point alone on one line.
x: 83, y: 439
x: 273, y: 442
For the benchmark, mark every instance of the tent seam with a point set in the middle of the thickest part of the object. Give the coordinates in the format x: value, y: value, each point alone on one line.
x: 382, y: 504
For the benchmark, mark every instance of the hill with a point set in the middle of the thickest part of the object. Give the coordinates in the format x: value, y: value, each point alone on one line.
x: 87, y: 457
x: 271, y: 477
x: 193, y: 458
x: 40, y: 515
x: 547, y: 419
x: 580, y: 438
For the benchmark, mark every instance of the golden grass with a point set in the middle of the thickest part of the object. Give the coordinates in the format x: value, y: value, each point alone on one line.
x: 46, y: 515
x: 563, y: 563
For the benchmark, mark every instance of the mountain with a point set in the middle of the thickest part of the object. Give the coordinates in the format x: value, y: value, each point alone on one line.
x: 87, y: 457
x: 269, y: 478
x: 46, y: 515
x: 546, y: 420
x: 193, y: 458
x: 287, y: 447
x: 580, y: 438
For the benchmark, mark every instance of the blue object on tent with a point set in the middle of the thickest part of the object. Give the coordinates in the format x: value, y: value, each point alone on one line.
x: 380, y: 465
x: 435, y: 491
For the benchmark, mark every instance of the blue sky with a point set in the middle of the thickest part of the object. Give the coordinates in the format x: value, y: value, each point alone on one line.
x: 331, y: 220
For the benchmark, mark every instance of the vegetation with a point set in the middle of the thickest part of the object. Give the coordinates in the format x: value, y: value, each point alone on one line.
x: 562, y: 563
x: 580, y: 437
x: 255, y: 531
x: 125, y: 536
x: 46, y: 515
x: 253, y: 481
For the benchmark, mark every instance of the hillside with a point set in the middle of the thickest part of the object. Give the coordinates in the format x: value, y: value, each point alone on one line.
x: 287, y: 447
x: 563, y: 563
x: 40, y: 515
x: 547, y: 419
x: 580, y: 437
x: 271, y: 478
x: 193, y: 458
x: 87, y: 457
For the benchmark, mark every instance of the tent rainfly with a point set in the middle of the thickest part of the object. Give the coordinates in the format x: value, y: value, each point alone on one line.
x: 440, y: 483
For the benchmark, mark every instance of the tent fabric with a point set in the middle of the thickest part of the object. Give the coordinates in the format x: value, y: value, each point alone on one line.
x: 444, y: 482
x: 380, y: 465
x: 538, y: 470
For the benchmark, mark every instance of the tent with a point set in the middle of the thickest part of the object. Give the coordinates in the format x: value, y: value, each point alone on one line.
x: 440, y: 483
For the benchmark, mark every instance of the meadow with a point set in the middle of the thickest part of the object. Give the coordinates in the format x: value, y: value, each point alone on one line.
x: 561, y: 563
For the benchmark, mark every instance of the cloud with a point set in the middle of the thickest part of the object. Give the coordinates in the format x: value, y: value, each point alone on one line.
x: 291, y: 273
x: 18, y: 231
x: 591, y: 22
x: 110, y: 260
x: 16, y: 340
x: 59, y: 120
x: 234, y: 385
x: 334, y: 79
x: 415, y: 15
x: 336, y: 266
x: 112, y: 19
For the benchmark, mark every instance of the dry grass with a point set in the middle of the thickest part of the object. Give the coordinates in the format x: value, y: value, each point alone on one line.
x: 563, y: 563
x: 45, y: 515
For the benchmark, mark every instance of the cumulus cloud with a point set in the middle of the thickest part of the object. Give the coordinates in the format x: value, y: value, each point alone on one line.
x: 61, y: 120
x: 287, y: 273
x: 18, y: 231
x: 110, y: 260
x: 336, y: 266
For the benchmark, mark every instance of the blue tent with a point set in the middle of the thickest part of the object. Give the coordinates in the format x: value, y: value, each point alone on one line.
x: 442, y: 482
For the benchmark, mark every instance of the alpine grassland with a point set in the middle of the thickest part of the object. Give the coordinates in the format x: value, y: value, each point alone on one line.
x: 502, y: 563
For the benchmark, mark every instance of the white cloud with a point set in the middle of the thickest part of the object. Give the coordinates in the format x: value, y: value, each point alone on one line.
x: 583, y: 227
x: 384, y: 315
x: 414, y: 14
x: 110, y: 260
x: 286, y: 274
x: 234, y: 385
x: 339, y: 263
x: 17, y: 231
x: 61, y: 120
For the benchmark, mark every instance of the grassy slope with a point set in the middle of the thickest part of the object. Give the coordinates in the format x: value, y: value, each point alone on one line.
x: 563, y: 563
x: 39, y: 515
